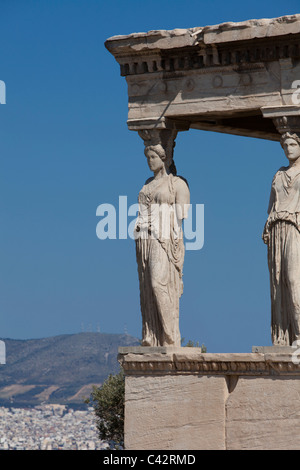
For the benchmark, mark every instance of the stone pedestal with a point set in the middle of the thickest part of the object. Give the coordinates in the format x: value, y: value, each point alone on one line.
x: 183, y: 399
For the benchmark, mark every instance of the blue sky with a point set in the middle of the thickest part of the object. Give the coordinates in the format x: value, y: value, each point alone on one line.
x: 65, y: 149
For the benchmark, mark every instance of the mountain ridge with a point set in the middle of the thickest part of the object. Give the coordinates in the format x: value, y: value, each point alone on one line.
x: 58, y: 369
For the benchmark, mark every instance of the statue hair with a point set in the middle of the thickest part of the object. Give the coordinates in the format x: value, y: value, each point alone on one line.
x: 289, y: 135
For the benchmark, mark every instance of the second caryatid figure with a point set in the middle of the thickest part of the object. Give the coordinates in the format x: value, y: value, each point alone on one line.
x: 282, y: 236
x: 163, y: 203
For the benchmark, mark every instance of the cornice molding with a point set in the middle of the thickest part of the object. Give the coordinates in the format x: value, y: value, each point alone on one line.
x: 226, y: 44
x: 194, y: 361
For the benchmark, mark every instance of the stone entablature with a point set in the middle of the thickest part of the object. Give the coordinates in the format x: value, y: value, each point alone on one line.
x: 213, y: 78
x: 224, y: 44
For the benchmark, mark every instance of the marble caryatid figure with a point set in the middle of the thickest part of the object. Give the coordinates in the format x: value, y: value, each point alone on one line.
x: 163, y: 203
x: 282, y: 236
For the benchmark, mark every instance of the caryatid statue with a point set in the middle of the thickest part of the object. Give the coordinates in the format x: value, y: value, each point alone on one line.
x: 163, y: 204
x: 282, y: 236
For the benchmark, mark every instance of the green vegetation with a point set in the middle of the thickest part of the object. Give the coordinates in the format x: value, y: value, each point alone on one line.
x: 193, y: 344
x: 108, y: 402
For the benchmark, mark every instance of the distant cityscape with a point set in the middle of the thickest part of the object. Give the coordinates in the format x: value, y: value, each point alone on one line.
x: 49, y: 427
x: 43, y: 386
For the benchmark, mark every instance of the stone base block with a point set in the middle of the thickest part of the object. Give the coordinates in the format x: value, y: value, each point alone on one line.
x: 183, y: 399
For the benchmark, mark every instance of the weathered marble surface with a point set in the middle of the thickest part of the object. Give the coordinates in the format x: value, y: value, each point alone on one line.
x: 263, y: 413
x: 172, y: 412
x: 224, y: 32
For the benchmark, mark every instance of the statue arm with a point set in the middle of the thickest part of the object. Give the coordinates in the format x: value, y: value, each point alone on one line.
x: 272, y: 199
x: 182, y: 199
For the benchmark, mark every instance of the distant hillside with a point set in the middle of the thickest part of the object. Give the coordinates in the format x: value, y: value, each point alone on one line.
x: 59, y: 369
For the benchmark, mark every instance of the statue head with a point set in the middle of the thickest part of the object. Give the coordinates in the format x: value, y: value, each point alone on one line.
x: 159, y: 144
x: 158, y: 156
x: 291, y: 146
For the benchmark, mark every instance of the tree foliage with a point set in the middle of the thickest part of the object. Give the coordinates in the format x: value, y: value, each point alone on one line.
x: 193, y: 344
x: 108, y: 403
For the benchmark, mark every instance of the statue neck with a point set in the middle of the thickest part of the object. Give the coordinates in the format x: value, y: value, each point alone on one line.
x: 161, y: 173
x: 294, y: 163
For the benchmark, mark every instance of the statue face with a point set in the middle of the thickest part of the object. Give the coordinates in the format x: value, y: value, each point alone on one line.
x: 291, y: 149
x: 155, y: 163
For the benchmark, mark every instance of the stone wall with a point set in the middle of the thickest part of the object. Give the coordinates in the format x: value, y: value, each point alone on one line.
x: 183, y: 399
